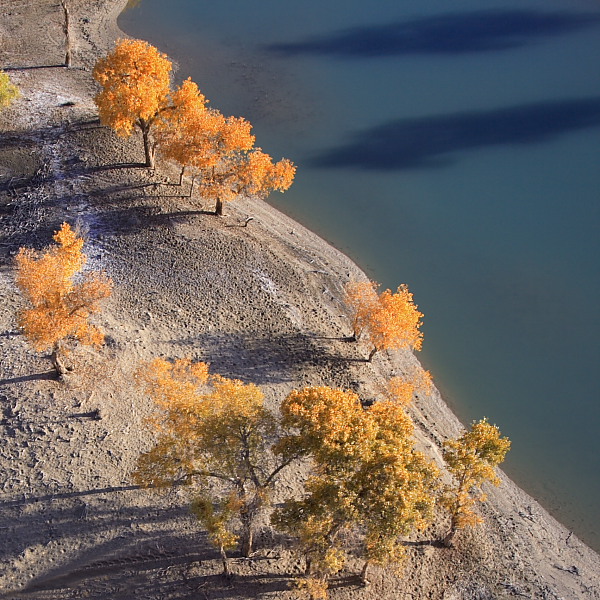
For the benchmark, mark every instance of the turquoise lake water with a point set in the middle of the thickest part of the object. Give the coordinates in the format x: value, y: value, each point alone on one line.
x: 454, y: 149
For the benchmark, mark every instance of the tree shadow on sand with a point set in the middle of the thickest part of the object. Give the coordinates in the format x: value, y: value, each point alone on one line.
x: 144, y: 551
x: 264, y: 358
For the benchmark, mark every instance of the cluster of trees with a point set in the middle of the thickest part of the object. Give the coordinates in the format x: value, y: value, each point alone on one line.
x: 368, y: 483
x: 177, y: 123
x: 367, y: 479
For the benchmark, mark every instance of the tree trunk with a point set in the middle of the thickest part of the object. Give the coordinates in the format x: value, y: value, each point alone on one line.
x: 192, y: 186
x: 225, y: 562
x: 246, y: 542
x: 181, y: 176
x: 219, y: 208
x: 57, y: 363
x: 363, y: 573
x: 67, y: 31
x: 247, y: 535
x: 308, y: 566
x: 148, y: 151
x: 448, y: 541
x: 372, y: 354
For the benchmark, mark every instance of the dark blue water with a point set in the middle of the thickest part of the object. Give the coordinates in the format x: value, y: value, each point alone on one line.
x: 454, y: 149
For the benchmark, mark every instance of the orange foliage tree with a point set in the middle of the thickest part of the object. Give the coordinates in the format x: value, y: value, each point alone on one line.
x: 252, y: 173
x: 402, y: 388
x: 215, y: 433
x: 391, y: 320
x: 219, y: 150
x: 367, y: 478
x: 135, y: 80
x: 472, y: 459
x: 60, y: 307
x: 136, y: 92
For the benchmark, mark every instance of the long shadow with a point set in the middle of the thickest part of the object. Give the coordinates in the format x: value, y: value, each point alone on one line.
x: 453, y: 33
x: 266, y: 358
x: 124, y: 557
x: 48, y: 376
x: 33, y: 67
x: 429, y: 142
x: 63, y: 495
x: 126, y: 221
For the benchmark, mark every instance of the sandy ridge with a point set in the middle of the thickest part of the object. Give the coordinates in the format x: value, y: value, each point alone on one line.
x: 262, y: 303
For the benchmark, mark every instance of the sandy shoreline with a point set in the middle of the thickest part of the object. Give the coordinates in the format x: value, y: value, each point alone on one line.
x: 262, y: 303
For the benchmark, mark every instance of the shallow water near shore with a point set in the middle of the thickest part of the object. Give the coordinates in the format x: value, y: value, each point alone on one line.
x: 455, y: 150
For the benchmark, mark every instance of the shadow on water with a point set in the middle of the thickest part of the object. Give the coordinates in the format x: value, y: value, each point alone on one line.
x: 455, y: 33
x: 428, y: 142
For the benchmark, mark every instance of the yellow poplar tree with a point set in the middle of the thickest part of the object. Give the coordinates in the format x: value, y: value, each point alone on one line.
x: 215, y: 433
x: 59, y: 306
x: 367, y: 478
x: 135, y: 80
x: 391, y: 320
x: 8, y: 91
x: 472, y: 460
x: 361, y: 297
x: 199, y: 137
x: 218, y: 149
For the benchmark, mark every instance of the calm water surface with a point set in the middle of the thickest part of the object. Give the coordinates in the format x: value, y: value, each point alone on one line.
x: 455, y: 150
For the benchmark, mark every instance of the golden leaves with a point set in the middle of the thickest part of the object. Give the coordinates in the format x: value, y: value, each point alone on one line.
x: 135, y: 80
x: 391, y: 320
x: 136, y: 91
x: 60, y: 307
x: 365, y: 471
x: 8, y: 91
x: 472, y: 459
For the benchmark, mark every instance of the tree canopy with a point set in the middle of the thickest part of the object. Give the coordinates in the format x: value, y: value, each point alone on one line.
x: 472, y: 460
x: 59, y: 306
x: 215, y: 433
x: 367, y: 478
x: 390, y: 320
x: 136, y: 86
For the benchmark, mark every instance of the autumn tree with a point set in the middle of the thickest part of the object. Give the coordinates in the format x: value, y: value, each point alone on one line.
x: 402, y: 388
x: 216, y: 434
x: 8, y: 91
x: 199, y: 137
x: 250, y: 173
x: 366, y: 478
x: 391, y: 320
x: 219, y: 150
x: 61, y: 300
x: 472, y: 460
x: 136, y: 86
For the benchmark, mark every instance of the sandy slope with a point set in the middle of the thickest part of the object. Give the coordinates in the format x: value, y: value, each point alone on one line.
x: 261, y: 303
